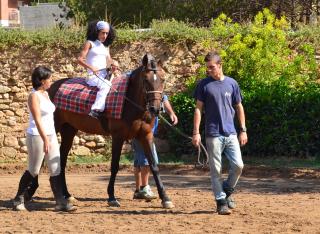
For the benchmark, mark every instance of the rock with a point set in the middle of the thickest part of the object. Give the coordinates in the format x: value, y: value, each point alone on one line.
x: 1, y: 139
x: 100, y: 151
x: 20, y: 112
x: 176, y: 61
x: 12, y: 122
x: 5, y: 101
x: 88, y: 137
x: 24, y: 149
x: 90, y: 144
x: 11, y: 141
x: 23, y: 141
x: 76, y: 140
x: 21, y: 97
x: 99, y: 139
x: 4, y: 107
x: 4, y: 89
x: 15, y: 105
x: 8, y: 152
x: 9, y: 113
x: 187, y: 62
x: 15, y: 89
x: 81, y: 150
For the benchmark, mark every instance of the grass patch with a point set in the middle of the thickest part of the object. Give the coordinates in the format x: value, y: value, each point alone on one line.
x: 125, y: 159
x: 4, y: 161
x: 82, y: 159
x: 169, y: 158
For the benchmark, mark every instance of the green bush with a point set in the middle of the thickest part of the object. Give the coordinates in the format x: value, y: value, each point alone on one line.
x: 281, y: 97
x: 170, y: 31
x: 54, y: 37
x: 283, y: 121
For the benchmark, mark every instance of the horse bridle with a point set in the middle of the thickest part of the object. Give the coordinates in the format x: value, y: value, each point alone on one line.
x: 154, y: 94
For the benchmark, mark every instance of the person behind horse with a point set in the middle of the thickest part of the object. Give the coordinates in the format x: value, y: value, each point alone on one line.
x: 95, y: 57
x: 220, y: 97
x: 141, y: 165
x: 42, y: 143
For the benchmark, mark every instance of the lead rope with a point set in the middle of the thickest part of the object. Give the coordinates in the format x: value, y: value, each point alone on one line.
x: 200, y: 163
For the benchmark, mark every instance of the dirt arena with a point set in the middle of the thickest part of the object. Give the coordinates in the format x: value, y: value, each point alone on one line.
x: 268, y: 201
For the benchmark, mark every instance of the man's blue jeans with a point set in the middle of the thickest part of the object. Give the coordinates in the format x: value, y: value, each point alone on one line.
x: 230, y: 147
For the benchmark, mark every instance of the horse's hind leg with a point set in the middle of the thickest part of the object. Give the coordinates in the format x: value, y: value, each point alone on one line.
x: 166, y: 202
x: 117, y: 144
x: 67, y: 133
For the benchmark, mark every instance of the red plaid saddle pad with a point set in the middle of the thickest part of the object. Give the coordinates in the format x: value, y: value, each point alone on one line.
x: 77, y: 96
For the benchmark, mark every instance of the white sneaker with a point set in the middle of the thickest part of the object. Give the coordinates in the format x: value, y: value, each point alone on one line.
x: 19, y: 206
x: 148, y: 194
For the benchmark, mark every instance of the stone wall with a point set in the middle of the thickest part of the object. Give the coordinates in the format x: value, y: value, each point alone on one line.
x: 16, y: 65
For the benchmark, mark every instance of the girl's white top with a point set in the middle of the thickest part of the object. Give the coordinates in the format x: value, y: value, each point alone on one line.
x: 97, y: 57
x: 46, y: 109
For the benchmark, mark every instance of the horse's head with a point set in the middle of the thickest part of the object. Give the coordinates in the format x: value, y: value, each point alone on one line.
x: 152, y: 83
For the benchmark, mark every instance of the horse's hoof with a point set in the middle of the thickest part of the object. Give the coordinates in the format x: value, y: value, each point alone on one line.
x: 167, y: 204
x: 72, y: 199
x: 114, y: 203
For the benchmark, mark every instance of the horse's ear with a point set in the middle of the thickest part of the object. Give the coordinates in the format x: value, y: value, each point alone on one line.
x: 147, y: 59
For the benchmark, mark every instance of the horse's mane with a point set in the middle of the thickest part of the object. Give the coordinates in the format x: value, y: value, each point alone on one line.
x: 55, y: 87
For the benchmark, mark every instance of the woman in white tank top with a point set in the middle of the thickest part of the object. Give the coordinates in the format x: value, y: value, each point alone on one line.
x: 42, y: 143
x: 95, y: 57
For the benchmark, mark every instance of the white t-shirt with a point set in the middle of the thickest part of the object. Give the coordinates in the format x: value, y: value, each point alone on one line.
x: 97, y: 56
x: 46, y: 109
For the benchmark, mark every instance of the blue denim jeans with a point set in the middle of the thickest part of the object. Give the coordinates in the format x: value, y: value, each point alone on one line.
x: 140, y: 159
x: 231, y: 148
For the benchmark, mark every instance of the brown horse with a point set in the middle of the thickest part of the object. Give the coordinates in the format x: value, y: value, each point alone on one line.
x: 141, y: 106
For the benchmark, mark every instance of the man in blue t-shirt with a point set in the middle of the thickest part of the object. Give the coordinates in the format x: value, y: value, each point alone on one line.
x: 220, y: 97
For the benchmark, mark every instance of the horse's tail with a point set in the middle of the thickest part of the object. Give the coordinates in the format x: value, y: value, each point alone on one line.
x: 55, y: 87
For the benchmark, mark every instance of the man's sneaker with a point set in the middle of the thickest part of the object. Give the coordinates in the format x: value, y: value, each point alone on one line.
x: 228, y: 190
x: 145, y: 193
x: 231, y: 202
x: 138, y: 195
x: 222, y: 207
x: 148, y: 193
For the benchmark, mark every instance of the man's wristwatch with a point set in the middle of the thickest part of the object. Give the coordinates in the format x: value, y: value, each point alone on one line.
x: 243, y: 129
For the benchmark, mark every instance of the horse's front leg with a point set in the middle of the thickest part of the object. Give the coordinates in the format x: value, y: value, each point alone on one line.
x: 67, y: 133
x: 149, y: 152
x: 117, y: 144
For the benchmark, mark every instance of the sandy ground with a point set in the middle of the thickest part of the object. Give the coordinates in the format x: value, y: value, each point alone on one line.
x: 268, y: 201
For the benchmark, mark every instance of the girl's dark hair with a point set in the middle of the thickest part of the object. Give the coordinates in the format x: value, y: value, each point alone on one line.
x: 40, y: 73
x: 92, y: 33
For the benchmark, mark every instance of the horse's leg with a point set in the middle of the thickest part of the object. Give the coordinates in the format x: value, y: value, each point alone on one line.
x: 166, y: 202
x: 117, y: 144
x: 67, y: 133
